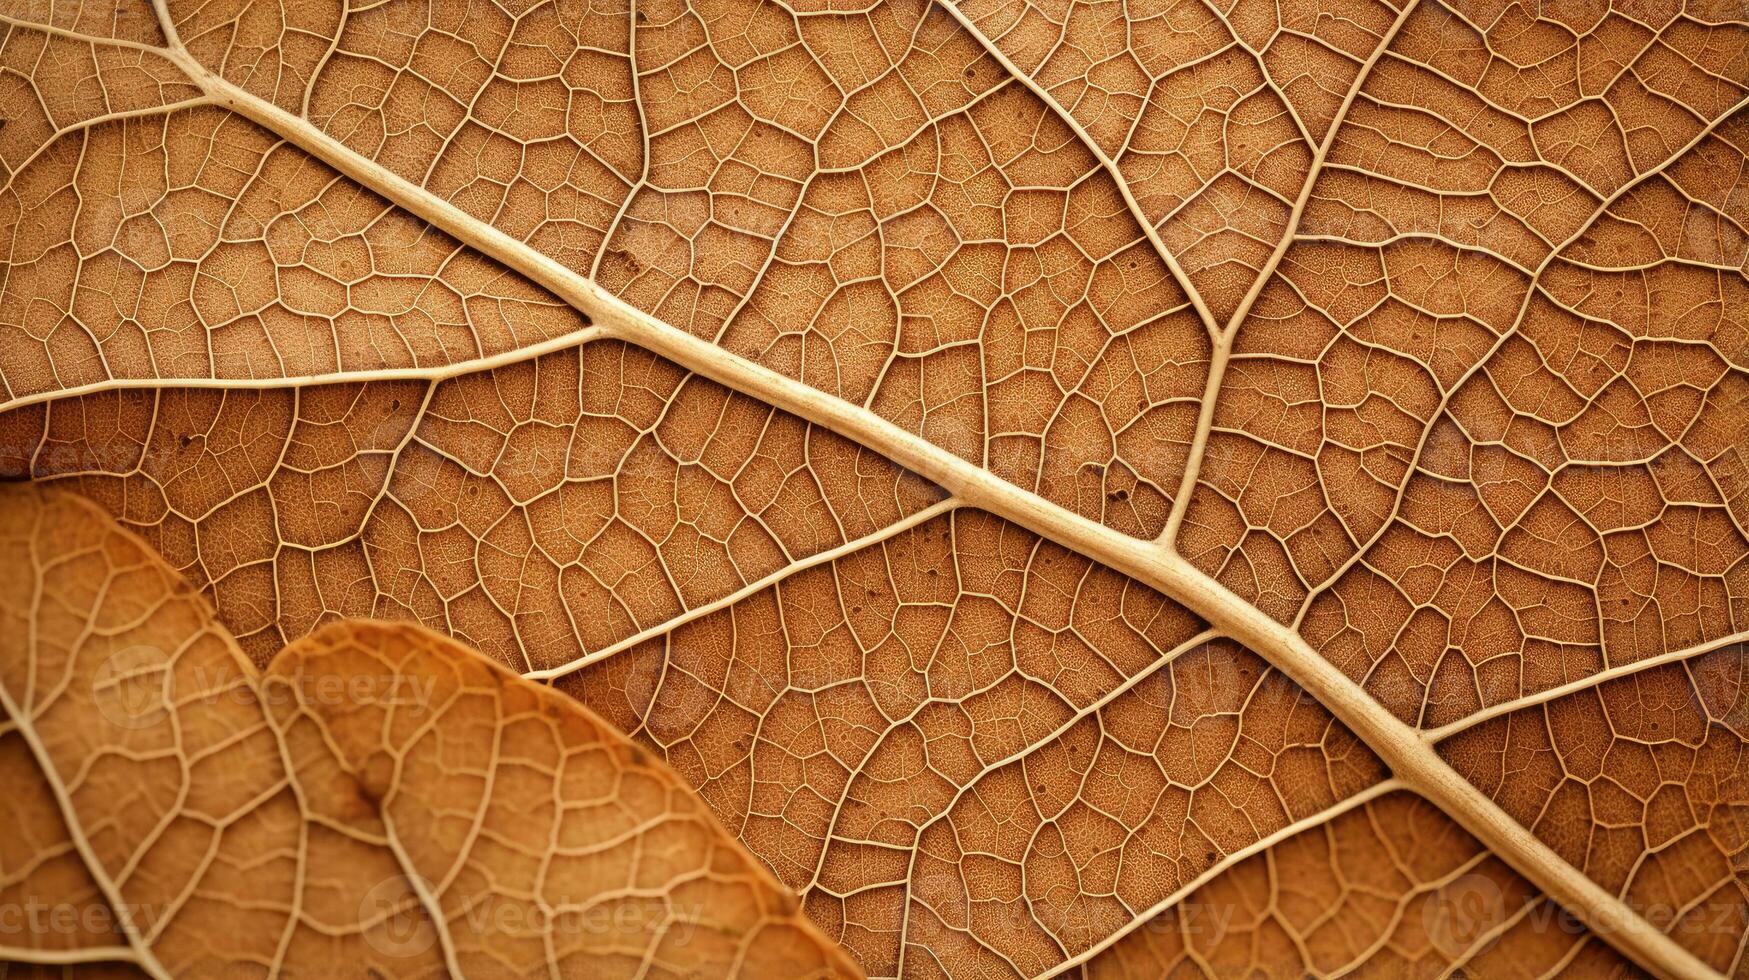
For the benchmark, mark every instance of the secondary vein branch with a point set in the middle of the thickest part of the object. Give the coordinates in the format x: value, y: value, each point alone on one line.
x: 1411, y: 759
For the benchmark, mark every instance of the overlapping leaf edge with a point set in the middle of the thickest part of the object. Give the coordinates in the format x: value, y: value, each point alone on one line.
x: 1406, y: 750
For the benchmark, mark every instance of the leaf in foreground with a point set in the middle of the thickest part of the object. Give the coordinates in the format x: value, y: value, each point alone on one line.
x: 381, y: 799
x: 1419, y: 328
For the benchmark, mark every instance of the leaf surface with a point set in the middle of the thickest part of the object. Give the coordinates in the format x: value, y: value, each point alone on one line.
x: 380, y: 799
x: 1035, y: 471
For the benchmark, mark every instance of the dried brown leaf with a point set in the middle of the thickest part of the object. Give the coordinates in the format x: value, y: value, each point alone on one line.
x: 380, y: 801
x: 1035, y: 470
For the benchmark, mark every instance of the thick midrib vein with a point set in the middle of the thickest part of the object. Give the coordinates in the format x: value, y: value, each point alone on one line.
x: 1411, y: 759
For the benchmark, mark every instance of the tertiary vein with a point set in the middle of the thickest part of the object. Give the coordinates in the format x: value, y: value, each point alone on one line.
x: 1410, y: 755
x: 1400, y: 746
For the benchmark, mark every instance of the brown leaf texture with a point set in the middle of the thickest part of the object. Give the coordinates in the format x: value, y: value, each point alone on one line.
x: 1390, y: 888
x: 1114, y: 488
x: 965, y: 718
x: 380, y: 801
x: 554, y: 506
